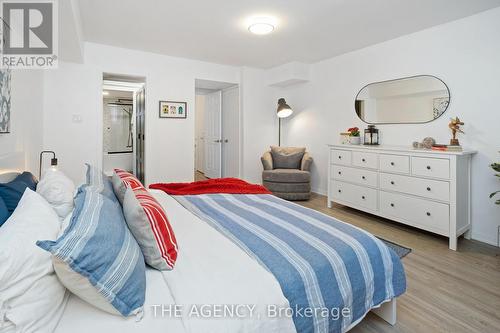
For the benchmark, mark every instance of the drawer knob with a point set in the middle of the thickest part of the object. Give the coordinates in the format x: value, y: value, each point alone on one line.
x: 428, y: 167
x: 392, y: 163
x: 392, y: 205
x: 363, y: 177
x: 363, y: 197
x: 363, y: 160
x: 340, y: 191
x: 340, y: 172
x: 428, y: 214
x: 428, y: 189
x: 392, y: 182
x: 340, y: 157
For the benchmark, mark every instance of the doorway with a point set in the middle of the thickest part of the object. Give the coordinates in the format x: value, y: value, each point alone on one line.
x: 123, y: 124
x: 217, y: 129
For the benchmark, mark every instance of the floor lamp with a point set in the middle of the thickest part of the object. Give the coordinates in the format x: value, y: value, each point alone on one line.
x: 284, y: 111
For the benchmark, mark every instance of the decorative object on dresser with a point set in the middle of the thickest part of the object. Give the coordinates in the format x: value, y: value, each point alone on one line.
x: 454, y: 125
x: 354, y: 138
x: 345, y: 138
x: 287, y: 172
x: 283, y: 111
x: 428, y: 142
x: 428, y: 189
x: 371, y: 136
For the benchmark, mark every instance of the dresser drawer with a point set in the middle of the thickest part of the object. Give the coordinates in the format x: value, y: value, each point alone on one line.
x: 353, y: 175
x: 421, y: 213
x: 357, y: 195
x: 365, y: 160
x: 342, y: 157
x: 395, y: 163
x: 430, y: 167
x: 428, y: 188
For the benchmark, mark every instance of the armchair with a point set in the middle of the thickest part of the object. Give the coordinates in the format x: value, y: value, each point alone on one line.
x: 287, y: 172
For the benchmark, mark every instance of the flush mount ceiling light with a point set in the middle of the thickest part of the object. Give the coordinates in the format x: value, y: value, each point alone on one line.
x: 261, y: 25
x: 105, y: 93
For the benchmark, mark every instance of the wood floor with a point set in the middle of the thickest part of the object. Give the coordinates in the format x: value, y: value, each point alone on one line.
x: 447, y: 291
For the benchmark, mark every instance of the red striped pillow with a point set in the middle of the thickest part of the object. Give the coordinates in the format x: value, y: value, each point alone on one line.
x: 128, y: 179
x: 149, y: 224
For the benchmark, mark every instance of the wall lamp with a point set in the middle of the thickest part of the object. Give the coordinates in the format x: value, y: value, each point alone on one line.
x: 53, y: 161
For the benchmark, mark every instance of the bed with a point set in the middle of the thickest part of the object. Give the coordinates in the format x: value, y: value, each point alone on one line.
x: 202, y: 276
x: 218, y: 284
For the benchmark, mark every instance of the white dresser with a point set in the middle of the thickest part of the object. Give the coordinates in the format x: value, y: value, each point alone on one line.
x: 429, y: 190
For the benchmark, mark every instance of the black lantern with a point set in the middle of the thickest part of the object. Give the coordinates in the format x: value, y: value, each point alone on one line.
x: 371, y: 136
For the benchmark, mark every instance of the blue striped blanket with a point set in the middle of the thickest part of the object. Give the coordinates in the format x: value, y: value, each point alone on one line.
x: 324, y: 266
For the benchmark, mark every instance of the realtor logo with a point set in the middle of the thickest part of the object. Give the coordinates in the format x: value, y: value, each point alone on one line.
x: 29, y: 34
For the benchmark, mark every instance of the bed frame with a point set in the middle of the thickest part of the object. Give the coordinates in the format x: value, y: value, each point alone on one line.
x: 387, y: 311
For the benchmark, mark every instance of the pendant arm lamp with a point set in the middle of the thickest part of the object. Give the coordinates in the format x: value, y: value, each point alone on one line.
x: 283, y: 111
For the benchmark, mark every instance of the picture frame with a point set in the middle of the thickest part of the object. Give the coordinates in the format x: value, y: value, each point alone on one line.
x: 5, y: 105
x: 173, y: 109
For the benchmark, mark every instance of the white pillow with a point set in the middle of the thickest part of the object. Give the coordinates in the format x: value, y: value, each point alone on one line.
x: 31, y: 297
x: 58, y: 190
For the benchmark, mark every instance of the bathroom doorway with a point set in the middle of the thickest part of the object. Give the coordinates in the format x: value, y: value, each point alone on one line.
x: 124, y: 124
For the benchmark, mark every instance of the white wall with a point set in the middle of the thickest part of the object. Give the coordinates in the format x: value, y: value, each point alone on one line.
x: 26, y: 117
x: 76, y: 89
x: 465, y: 54
x: 259, y: 122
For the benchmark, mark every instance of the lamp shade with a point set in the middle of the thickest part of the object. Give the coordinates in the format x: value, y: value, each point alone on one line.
x: 284, y: 110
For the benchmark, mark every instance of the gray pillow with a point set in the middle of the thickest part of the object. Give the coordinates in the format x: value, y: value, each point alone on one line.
x: 287, y: 161
x: 118, y: 187
x: 287, y: 150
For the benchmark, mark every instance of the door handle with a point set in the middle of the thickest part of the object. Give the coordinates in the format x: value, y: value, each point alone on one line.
x: 226, y: 141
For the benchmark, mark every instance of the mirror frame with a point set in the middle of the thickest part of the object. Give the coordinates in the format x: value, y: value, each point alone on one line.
x: 402, y: 78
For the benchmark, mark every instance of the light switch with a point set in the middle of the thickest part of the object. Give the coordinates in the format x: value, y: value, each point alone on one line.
x: 77, y: 118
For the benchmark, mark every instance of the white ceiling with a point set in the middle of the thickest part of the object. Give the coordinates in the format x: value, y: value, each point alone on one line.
x: 308, y: 30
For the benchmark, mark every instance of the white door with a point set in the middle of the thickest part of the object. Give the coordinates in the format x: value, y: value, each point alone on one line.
x: 231, y: 132
x: 213, y: 139
x: 200, y: 133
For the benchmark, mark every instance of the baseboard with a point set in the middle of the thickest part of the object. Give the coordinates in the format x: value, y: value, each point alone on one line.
x: 490, y: 239
x: 319, y: 191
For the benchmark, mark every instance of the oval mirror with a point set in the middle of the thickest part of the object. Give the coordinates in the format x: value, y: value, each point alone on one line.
x: 417, y: 99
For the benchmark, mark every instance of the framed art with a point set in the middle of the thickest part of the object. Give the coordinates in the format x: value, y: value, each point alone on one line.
x: 170, y: 109
x: 5, y: 77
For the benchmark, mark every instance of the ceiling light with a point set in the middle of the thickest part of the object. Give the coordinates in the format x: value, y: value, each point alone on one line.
x: 262, y: 25
x: 105, y: 93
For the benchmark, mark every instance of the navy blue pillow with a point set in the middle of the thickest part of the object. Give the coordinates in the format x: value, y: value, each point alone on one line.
x: 12, y: 192
x: 4, y: 213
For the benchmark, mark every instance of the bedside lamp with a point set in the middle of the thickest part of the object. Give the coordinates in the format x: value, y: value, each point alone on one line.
x: 284, y: 111
x: 53, y: 161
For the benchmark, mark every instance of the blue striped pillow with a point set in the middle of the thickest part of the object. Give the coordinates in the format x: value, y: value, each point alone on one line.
x: 99, y: 182
x: 98, y: 245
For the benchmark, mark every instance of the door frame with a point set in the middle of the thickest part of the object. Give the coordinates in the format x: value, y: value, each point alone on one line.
x: 235, y: 85
x: 120, y: 86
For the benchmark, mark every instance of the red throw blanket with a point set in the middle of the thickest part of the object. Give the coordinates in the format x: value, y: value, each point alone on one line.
x: 217, y: 185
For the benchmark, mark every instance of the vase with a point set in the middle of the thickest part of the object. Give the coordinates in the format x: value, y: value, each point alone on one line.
x: 355, y: 140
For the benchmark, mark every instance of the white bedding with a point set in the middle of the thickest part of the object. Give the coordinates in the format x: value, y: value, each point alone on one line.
x: 210, y: 270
